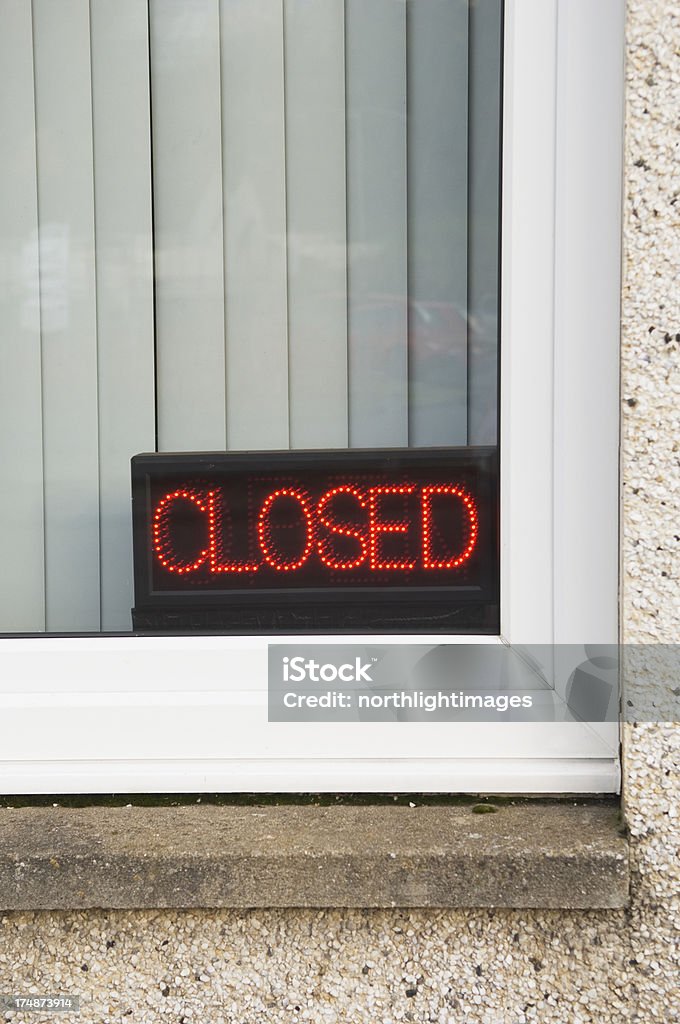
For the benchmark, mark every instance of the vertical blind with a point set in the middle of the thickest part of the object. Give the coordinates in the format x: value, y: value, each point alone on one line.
x: 241, y: 224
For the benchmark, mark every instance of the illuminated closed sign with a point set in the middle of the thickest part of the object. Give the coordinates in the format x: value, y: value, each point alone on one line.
x: 392, y: 539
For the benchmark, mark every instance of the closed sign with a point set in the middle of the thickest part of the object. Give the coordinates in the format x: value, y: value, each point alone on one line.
x: 296, y: 539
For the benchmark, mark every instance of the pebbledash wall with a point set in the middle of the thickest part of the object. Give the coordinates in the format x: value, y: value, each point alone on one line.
x: 481, y: 967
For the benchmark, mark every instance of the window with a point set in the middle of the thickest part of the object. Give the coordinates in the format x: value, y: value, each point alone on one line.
x: 263, y: 225
x: 244, y: 226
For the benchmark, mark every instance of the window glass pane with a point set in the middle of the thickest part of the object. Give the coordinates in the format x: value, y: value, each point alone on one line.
x: 231, y: 225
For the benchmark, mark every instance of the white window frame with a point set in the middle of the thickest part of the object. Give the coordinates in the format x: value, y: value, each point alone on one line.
x: 170, y: 714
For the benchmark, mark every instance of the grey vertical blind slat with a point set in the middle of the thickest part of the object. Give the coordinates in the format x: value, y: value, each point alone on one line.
x: 316, y: 222
x: 254, y: 189
x: 376, y: 223
x: 67, y: 313
x: 437, y: 220
x: 484, y: 220
x: 124, y: 267
x: 188, y: 217
x: 21, y: 467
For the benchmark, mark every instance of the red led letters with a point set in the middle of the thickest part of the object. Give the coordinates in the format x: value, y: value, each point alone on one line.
x: 162, y: 541
x: 264, y: 532
x: 378, y: 526
x: 453, y: 562
x: 341, y: 530
x: 215, y: 517
x: 382, y: 529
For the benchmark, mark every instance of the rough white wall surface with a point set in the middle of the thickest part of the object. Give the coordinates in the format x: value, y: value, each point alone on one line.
x: 488, y: 967
x: 651, y: 496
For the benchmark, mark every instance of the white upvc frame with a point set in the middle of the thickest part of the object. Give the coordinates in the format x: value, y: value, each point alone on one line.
x: 126, y: 714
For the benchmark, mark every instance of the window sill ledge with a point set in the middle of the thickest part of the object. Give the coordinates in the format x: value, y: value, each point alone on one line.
x: 558, y: 855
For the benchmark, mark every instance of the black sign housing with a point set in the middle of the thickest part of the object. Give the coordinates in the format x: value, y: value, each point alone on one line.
x: 386, y: 541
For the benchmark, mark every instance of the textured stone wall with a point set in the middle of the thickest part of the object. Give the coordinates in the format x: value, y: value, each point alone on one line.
x: 651, y: 495
x: 488, y: 967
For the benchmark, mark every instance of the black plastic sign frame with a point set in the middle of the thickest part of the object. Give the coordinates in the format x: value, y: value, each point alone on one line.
x: 386, y: 541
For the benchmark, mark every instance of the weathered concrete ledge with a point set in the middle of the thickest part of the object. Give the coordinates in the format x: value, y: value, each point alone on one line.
x: 558, y: 855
